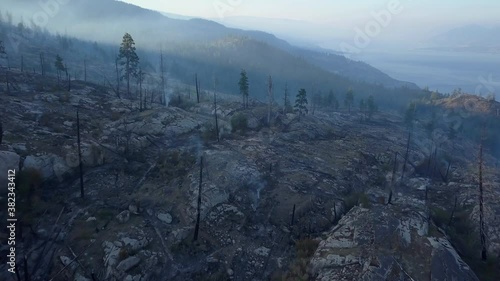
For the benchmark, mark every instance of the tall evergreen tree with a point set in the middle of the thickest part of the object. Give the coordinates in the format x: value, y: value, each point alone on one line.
x: 244, y: 87
x: 349, y: 99
x: 59, y: 64
x: 372, y: 107
x: 332, y: 101
x: 362, y: 107
x: 2, y: 48
x: 287, y: 106
x: 128, y: 59
x: 301, y: 102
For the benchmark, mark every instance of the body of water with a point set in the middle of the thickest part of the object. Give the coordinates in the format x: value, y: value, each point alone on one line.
x: 442, y: 71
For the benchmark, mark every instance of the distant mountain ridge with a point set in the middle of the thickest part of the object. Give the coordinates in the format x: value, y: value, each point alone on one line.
x: 467, y: 38
x: 154, y: 29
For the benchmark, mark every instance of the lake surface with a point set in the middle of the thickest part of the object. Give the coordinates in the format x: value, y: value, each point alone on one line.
x: 442, y: 71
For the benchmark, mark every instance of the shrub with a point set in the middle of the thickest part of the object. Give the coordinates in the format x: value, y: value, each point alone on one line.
x: 297, y: 270
x: 356, y: 198
x: 65, y: 97
x: 115, y: 116
x: 209, y: 133
x: 180, y: 102
x: 239, y: 122
x: 175, y: 164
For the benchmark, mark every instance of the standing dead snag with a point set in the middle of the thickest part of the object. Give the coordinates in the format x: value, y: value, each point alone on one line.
x: 85, y: 69
x: 7, y: 80
x: 197, y: 87
x: 453, y: 211
x: 82, y: 193
x: 406, y: 155
x: 117, y: 77
x: 293, y: 215
x: 270, y: 96
x: 286, y: 104
x: 42, y: 63
x: 394, y: 168
x: 215, y: 111
x: 162, y: 73
x: 198, y: 210
x: 484, y: 254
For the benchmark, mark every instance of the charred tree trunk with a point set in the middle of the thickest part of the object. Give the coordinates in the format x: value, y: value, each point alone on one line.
x: 82, y: 193
x: 197, y: 88
x: 434, y: 167
x: 198, y: 210
x: 293, y: 215
x: 27, y: 276
x: 453, y: 211
x: 42, y: 63
x: 162, y: 72
x: 140, y: 91
x: 394, y: 168
x: 482, y: 233
x: 7, y: 80
x: 270, y: 96
x: 85, y: 70
x: 117, y: 79
x: 215, y: 110
x: 286, y: 99
x: 406, y: 155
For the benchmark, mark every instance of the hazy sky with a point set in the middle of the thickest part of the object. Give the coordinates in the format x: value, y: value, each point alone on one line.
x: 330, y: 10
x: 416, y: 20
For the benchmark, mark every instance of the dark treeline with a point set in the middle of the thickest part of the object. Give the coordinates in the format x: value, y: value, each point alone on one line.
x: 223, y: 58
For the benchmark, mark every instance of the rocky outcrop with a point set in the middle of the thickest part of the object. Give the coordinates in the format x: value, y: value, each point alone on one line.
x: 8, y: 161
x: 50, y: 166
x: 386, y: 243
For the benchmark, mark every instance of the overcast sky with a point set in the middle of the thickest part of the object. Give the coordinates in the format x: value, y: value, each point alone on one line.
x: 416, y: 20
x: 322, y: 11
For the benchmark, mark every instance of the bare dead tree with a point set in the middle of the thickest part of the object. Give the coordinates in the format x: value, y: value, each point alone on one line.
x: 85, y: 69
x: 198, y: 209
x: 42, y: 63
x: 433, y: 172
x: 286, y: 99
x: 163, y: 82
x: 82, y: 193
x: 393, y: 177
x: 117, y: 93
x: 69, y: 82
x: 482, y: 234
x: 270, y: 96
x: 293, y: 215
x: 197, y: 87
x: 394, y: 168
x: 7, y: 80
x: 215, y: 111
x: 453, y: 211
x: 406, y: 155
x: 139, y: 81
x: 117, y: 77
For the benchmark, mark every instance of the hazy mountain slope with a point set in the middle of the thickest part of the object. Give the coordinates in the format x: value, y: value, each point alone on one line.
x: 153, y: 29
